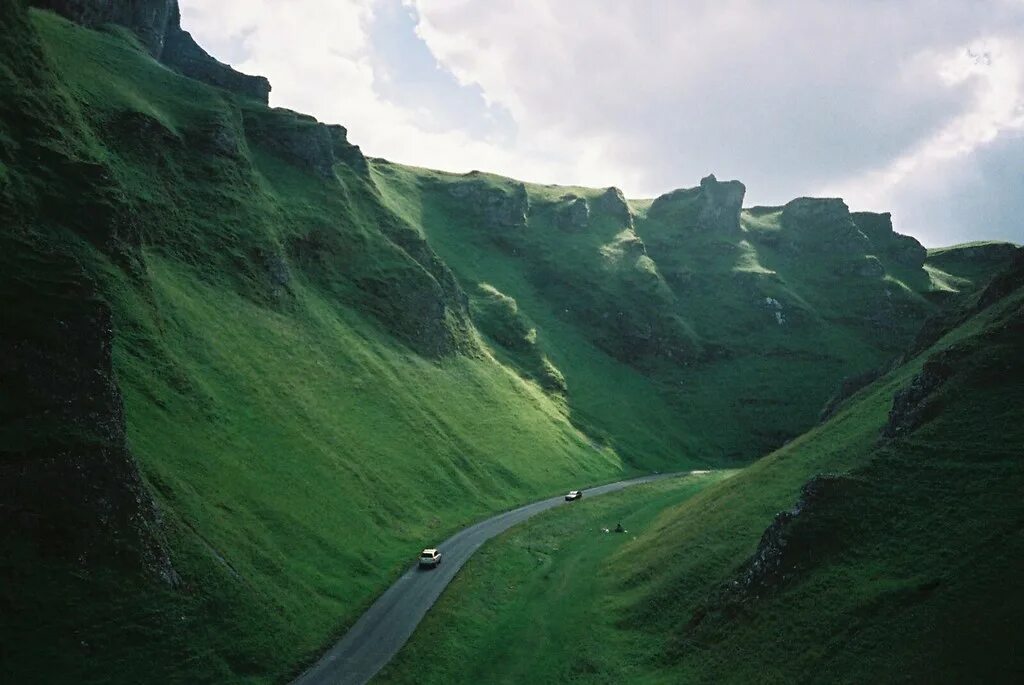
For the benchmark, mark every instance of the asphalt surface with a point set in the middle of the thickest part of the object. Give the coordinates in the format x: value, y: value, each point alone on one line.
x: 387, y: 625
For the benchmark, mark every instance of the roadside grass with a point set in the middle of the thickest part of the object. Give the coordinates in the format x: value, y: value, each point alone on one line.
x: 537, y: 603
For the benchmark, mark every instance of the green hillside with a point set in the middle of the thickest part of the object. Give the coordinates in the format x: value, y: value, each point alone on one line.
x: 248, y: 372
x: 895, y: 555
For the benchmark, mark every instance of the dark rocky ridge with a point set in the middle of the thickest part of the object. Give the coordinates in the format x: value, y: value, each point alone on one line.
x: 713, y: 207
x: 157, y: 23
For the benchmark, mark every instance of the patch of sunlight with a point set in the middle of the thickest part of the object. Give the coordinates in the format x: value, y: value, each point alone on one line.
x: 748, y: 262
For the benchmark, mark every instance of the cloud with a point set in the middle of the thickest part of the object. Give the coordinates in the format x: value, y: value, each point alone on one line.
x: 865, y: 98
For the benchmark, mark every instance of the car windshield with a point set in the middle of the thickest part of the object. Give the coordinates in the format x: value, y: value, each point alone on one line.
x: 427, y: 554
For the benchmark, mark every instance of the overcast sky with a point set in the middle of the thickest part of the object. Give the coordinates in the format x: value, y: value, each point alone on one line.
x: 914, y: 107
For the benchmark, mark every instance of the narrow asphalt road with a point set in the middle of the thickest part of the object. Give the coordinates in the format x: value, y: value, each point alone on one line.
x: 379, y: 633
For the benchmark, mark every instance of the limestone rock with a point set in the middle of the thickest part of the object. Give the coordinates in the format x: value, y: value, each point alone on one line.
x: 886, y: 242
x: 720, y: 204
x: 822, y: 225
x: 497, y: 206
x: 574, y: 215
x: 713, y: 207
x: 303, y: 140
x: 613, y: 203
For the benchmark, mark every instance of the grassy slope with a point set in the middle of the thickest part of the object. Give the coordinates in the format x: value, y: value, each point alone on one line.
x: 710, y: 292
x: 534, y: 605
x: 297, y: 450
x: 912, y: 576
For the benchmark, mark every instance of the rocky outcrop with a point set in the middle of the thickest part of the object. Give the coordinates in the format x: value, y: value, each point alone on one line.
x: 793, y: 540
x: 822, y: 225
x: 303, y: 140
x: 714, y: 207
x: 848, y: 387
x: 497, y: 206
x: 574, y: 214
x: 720, y: 203
x: 68, y: 484
x: 914, y: 404
x: 157, y: 23
x: 613, y: 203
x: 885, y: 242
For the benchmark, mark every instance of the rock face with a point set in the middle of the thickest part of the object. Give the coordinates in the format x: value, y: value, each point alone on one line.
x: 304, y: 141
x: 613, y: 203
x: 822, y: 225
x: 790, y: 542
x: 158, y: 26
x: 720, y: 204
x: 714, y: 207
x: 69, y: 483
x: 914, y: 404
x: 884, y: 241
x: 574, y: 215
x: 497, y: 207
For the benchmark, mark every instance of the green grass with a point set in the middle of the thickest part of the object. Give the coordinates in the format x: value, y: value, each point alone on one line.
x: 537, y: 604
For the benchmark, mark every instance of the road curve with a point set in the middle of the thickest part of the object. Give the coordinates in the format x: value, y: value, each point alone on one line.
x: 379, y: 633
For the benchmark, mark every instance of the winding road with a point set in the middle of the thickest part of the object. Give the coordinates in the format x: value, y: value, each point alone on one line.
x: 379, y: 633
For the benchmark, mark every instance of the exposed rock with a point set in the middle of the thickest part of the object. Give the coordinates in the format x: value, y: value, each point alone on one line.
x: 632, y: 246
x: 713, y: 207
x: 720, y: 204
x: 785, y: 547
x: 823, y: 225
x: 157, y: 23
x: 303, y: 140
x: 885, y: 241
x: 68, y: 483
x: 497, y: 206
x: 914, y: 404
x: 613, y: 203
x: 574, y: 215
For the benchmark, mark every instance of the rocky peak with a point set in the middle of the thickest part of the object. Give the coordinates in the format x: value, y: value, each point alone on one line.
x: 885, y: 241
x: 720, y: 205
x: 157, y: 23
x: 613, y: 202
x: 822, y: 224
x: 713, y: 207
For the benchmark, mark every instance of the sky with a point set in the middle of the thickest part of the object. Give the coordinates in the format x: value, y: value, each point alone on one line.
x: 914, y: 107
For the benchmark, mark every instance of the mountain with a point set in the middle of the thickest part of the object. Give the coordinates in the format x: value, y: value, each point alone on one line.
x: 248, y: 371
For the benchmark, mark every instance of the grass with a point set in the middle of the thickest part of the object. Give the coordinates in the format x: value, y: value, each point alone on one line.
x: 537, y: 604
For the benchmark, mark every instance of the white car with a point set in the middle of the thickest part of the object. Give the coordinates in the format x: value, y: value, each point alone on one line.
x: 573, y: 495
x: 430, y: 558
